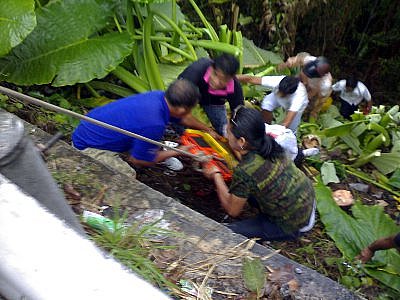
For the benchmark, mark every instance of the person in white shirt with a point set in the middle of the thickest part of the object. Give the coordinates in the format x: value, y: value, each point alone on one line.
x: 288, y: 141
x: 287, y: 92
x: 285, y: 138
x: 352, y: 92
x: 315, y: 75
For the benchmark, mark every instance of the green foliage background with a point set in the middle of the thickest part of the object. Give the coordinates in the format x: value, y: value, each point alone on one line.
x: 360, y: 36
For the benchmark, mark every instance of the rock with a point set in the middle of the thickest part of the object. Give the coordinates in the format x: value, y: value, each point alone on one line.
x: 382, y: 203
x: 378, y: 195
x: 361, y: 187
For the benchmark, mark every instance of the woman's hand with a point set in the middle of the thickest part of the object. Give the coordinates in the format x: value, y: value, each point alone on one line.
x: 209, y: 170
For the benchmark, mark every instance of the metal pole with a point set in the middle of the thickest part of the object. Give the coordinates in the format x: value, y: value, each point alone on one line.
x: 26, y: 98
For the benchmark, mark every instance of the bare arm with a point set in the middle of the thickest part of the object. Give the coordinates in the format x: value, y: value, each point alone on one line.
x: 368, y: 107
x: 380, y: 244
x: 249, y: 79
x: 160, y: 156
x: 192, y: 122
x: 232, y: 204
x: 293, y: 61
x: 267, y: 115
x: 289, y: 118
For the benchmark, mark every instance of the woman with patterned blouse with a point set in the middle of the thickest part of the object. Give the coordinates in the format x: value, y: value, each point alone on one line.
x: 266, y: 179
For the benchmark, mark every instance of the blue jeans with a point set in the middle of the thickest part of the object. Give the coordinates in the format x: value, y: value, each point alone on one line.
x: 218, y: 117
x: 261, y: 227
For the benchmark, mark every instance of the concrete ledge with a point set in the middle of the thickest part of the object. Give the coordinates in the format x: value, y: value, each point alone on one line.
x: 204, y: 239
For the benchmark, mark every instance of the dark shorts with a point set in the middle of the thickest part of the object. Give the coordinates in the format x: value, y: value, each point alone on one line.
x: 346, y: 109
x: 397, y: 240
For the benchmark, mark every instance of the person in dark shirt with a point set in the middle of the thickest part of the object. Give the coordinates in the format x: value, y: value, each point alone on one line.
x: 217, y: 84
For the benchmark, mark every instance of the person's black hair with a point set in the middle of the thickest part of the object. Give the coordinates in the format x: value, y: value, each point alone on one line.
x: 227, y: 63
x: 182, y: 93
x: 351, y: 81
x: 288, y: 85
x: 249, y: 123
x: 316, y: 68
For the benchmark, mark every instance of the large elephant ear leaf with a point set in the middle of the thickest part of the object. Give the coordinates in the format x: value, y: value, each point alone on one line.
x: 17, y: 20
x: 65, y: 47
x: 254, y: 56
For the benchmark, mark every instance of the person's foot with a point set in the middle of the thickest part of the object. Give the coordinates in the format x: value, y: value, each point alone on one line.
x: 173, y: 164
x: 310, y: 152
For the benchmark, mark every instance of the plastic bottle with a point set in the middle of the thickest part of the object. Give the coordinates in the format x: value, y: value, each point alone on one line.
x: 100, y: 222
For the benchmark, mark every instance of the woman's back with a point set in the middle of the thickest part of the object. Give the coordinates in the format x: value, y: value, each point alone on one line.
x: 283, y: 192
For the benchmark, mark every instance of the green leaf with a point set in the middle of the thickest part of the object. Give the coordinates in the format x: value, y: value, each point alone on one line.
x: 64, y: 48
x: 96, y: 101
x: 253, y: 274
x: 17, y: 20
x: 335, y: 128
x: 387, y: 162
x: 173, y: 58
x: 166, y: 9
x: 328, y: 119
x: 365, y: 158
x: 394, y: 180
x: 395, y: 140
x: 328, y: 173
x: 254, y: 56
x: 171, y: 72
x: 350, y: 282
x: 359, y: 129
x: 352, y: 142
x: 340, y: 130
x: 351, y: 234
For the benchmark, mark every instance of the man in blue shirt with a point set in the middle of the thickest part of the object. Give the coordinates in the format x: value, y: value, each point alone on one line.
x: 145, y: 114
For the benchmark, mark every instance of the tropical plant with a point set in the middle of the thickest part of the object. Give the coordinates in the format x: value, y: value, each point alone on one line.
x: 367, y: 224
x: 16, y: 26
x: 372, y: 139
x: 136, y: 41
x: 49, y: 55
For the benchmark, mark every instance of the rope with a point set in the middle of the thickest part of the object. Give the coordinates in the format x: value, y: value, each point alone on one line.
x: 25, y: 98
